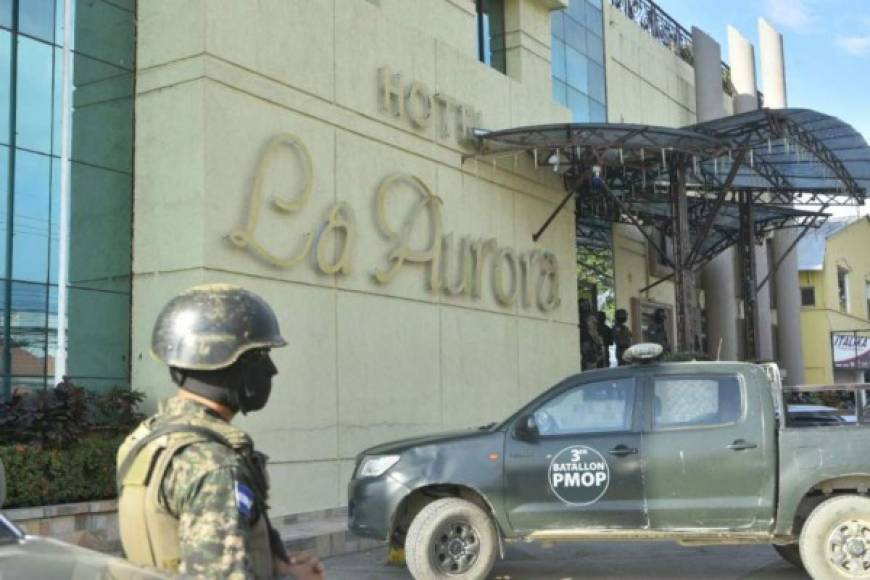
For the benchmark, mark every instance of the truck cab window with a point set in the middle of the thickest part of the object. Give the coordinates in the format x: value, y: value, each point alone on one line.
x: 696, y: 402
x: 594, y: 407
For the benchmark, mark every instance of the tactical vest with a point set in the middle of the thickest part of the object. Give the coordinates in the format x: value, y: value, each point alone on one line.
x: 149, y: 532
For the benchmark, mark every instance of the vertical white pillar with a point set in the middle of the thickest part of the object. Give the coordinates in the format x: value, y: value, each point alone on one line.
x: 772, y: 66
x: 741, y: 55
x: 788, y: 305
x: 718, y: 280
x: 63, y: 242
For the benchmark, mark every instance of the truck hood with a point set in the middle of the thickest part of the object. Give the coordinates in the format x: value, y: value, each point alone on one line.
x: 401, y: 445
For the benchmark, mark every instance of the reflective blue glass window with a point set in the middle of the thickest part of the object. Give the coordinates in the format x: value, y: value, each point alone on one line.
x: 6, y: 13
x: 596, y: 82
x: 28, y: 329
x: 577, y: 69
x: 575, y: 35
x: 597, y: 112
x: 595, y: 48
x: 5, y: 83
x: 579, y: 105
x: 36, y: 18
x: 4, y: 204
x: 33, y: 119
x: 30, y: 228
x: 577, y: 10
x: 558, y: 56
x: 596, y: 3
x: 557, y: 24
x: 560, y: 94
x: 57, y: 104
x: 594, y: 20
x: 54, y: 222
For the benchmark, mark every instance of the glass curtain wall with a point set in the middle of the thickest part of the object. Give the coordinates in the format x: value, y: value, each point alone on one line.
x: 98, y: 199
x: 578, y: 60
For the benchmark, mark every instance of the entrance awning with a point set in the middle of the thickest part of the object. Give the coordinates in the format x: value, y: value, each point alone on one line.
x: 705, y: 187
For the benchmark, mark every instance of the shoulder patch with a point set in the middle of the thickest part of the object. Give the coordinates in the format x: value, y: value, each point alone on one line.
x: 244, y: 500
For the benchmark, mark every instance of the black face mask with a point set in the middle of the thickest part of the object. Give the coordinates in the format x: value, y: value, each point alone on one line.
x: 244, y: 386
x: 256, y: 370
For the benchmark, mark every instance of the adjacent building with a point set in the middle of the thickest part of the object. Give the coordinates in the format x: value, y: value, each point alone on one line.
x: 66, y: 184
x: 835, y: 301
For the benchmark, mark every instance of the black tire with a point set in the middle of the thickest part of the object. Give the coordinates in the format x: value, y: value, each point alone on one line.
x: 832, y: 542
x: 791, y: 554
x: 451, y: 538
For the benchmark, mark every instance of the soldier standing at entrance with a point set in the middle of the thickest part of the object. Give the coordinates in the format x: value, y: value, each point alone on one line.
x: 621, y: 335
x: 192, y: 490
x: 606, y: 335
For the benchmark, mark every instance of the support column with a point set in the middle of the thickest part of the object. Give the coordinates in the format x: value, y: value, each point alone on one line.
x: 748, y: 276
x: 688, y: 321
x: 720, y: 297
x: 788, y: 309
x: 742, y: 59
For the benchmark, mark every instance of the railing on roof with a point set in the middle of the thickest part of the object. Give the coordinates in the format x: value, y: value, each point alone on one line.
x: 661, y: 26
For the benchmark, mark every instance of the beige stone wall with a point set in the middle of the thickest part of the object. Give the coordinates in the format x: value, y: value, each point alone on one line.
x: 367, y: 362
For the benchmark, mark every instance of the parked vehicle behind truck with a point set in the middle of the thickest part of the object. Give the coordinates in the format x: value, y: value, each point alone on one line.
x: 698, y: 452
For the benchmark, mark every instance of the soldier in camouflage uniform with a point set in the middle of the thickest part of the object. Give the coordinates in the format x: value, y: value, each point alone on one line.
x: 192, y: 489
x: 621, y: 335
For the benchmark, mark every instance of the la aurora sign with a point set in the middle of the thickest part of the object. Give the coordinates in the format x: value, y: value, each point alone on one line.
x: 454, y: 265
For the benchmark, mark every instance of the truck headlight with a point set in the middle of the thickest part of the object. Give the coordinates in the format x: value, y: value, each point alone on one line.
x: 376, y: 465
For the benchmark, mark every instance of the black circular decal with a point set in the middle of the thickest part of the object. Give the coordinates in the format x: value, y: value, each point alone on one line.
x: 579, y: 475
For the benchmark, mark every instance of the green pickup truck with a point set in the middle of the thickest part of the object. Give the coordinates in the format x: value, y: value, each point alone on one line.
x: 698, y: 452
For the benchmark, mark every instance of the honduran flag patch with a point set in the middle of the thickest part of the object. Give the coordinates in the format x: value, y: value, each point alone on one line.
x: 245, y: 500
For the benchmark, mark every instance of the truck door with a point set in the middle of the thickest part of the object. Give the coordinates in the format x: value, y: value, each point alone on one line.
x: 582, y: 469
x: 709, y: 452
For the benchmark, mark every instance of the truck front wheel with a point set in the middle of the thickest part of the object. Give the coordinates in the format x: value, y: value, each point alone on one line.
x: 451, y: 538
x: 835, y: 541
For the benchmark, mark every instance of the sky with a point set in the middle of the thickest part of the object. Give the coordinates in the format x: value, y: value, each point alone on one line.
x: 827, y: 48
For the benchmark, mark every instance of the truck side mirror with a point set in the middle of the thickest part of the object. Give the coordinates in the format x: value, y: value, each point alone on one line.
x: 527, y: 428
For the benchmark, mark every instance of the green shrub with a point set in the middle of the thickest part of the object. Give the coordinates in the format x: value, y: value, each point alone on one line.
x: 83, y: 471
x: 57, y: 418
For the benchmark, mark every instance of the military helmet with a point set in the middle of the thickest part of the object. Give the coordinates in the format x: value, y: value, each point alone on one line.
x: 208, y: 327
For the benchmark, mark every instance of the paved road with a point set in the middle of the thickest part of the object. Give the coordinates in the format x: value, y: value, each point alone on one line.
x: 599, y: 561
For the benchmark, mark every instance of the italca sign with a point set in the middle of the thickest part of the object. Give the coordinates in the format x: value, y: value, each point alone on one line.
x: 453, y: 264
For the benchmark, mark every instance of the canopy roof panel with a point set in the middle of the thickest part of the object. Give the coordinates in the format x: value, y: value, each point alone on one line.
x: 810, y: 150
x: 788, y: 155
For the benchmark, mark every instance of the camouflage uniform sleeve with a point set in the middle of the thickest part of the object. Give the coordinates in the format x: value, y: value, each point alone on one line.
x: 213, y: 532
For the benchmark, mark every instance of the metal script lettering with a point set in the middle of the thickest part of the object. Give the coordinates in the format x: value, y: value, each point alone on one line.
x: 402, y: 252
x: 245, y: 238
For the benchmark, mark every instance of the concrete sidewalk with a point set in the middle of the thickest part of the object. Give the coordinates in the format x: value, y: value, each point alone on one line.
x: 599, y: 561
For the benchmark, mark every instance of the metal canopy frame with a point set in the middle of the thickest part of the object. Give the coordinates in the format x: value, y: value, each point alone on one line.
x: 707, y: 186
